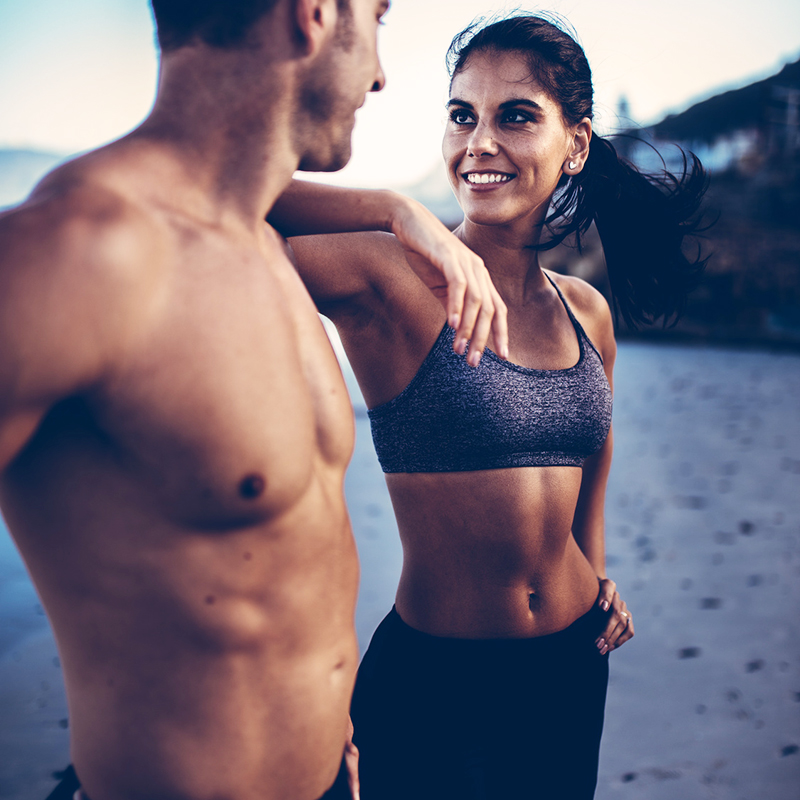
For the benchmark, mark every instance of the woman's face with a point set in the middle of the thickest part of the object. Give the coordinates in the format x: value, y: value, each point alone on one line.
x: 506, y: 143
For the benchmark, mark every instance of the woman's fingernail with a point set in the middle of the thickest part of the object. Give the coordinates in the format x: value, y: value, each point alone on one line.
x: 461, y: 346
x: 455, y: 319
x: 604, y: 650
x: 600, y: 644
x: 605, y: 605
x: 474, y: 358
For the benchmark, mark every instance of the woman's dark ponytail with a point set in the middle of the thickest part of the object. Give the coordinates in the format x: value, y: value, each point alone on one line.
x: 643, y: 220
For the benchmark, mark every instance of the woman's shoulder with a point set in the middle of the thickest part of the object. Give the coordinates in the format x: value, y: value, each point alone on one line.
x: 582, y: 297
x: 591, y: 309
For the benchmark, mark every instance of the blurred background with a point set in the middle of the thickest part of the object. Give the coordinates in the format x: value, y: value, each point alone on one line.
x: 703, y: 502
x: 719, y: 78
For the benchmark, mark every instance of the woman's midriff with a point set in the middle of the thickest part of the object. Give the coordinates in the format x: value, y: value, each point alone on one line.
x: 490, y: 554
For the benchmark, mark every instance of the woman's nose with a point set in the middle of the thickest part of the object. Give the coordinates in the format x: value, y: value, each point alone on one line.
x: 482, y: 142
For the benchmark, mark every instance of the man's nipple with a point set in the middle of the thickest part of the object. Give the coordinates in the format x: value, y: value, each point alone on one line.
x: 252, y: 486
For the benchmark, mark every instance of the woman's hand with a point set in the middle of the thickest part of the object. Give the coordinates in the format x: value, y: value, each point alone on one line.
x: 620, y: 625
x: 450, y: 270
x: 456, y: 276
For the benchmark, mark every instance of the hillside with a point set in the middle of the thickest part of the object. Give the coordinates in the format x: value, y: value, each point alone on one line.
x: 20, y: 170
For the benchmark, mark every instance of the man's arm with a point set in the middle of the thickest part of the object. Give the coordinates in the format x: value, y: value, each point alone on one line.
x: 450, y: 270
x: 63, y: 272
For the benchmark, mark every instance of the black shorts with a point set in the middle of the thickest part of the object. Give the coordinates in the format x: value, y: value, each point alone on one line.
x: 478, y: 719
x: 70, y: 785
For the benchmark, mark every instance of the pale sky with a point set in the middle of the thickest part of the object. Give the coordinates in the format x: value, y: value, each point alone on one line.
x: 76, y: 74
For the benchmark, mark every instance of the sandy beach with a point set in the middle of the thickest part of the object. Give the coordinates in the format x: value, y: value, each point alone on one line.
x: 703, y: 539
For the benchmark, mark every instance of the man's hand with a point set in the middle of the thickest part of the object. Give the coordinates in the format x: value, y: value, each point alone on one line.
x: 351, y: 762
x: 455, y: 275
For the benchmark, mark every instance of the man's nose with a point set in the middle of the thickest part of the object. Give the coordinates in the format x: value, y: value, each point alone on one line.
x: 380, y: 80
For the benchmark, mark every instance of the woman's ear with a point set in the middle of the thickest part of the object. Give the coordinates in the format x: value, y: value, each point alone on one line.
x: 579, y: 151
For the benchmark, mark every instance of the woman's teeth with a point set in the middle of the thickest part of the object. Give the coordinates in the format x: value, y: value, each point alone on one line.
x: 487, y: 177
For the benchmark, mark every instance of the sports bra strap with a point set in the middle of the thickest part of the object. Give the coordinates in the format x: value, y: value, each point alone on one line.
x: 573, y: 319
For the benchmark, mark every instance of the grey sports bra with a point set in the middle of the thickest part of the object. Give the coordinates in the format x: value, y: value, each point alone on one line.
x: 453, y: 417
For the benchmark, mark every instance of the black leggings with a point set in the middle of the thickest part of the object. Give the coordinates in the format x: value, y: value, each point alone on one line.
x: 477, y: 719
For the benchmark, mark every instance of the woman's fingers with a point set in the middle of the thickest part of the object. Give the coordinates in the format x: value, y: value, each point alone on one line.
x: 500, y: 324
x: 456, y: 289
x: 470, y: 310
x: 456, y: 276
x: 606, y: 594
x: 625, y: 634
x: 619, y: 625
x: 481, y: 304
x: 618, y: 629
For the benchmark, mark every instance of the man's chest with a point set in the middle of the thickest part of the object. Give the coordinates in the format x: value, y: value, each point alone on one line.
x: 233, y: 399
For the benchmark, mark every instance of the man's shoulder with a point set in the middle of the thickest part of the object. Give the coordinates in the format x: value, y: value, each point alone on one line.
x: 74, y: 222
x: 80, y: 262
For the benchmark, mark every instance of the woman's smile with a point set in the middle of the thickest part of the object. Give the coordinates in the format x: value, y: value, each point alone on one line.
x: 487, y: 180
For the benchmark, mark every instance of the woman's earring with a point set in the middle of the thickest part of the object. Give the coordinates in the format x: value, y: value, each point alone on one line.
x: 572, y: 164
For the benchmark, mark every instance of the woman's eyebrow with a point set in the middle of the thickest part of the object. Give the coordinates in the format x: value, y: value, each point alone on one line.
x: 516, y: 101
x: 521, y: 101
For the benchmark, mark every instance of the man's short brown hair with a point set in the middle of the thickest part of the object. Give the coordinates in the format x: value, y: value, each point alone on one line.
x: 219, y: 23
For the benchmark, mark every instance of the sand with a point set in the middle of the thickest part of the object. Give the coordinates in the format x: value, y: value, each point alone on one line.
x: 703, y: 526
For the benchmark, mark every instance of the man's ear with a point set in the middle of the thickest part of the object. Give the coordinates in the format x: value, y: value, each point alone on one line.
x: 315, y: 21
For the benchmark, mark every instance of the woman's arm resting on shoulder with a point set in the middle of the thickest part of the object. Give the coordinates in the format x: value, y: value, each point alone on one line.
x: 450, y: 270
x: 307, y: 209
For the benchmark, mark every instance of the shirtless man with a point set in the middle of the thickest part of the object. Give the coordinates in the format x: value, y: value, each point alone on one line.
x: 174, y: 427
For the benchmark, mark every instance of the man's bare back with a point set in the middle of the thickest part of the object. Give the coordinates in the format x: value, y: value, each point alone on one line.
x: 174, y: 431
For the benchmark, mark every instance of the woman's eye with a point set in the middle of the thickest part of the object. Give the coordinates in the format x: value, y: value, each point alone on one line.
x: 460, y: 117
x: 516, y: 117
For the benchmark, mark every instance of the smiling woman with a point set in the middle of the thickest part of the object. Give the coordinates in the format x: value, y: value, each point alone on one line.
x: 488, y: 678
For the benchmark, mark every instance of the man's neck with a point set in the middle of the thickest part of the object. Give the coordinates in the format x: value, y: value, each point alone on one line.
x: 231, y: 130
